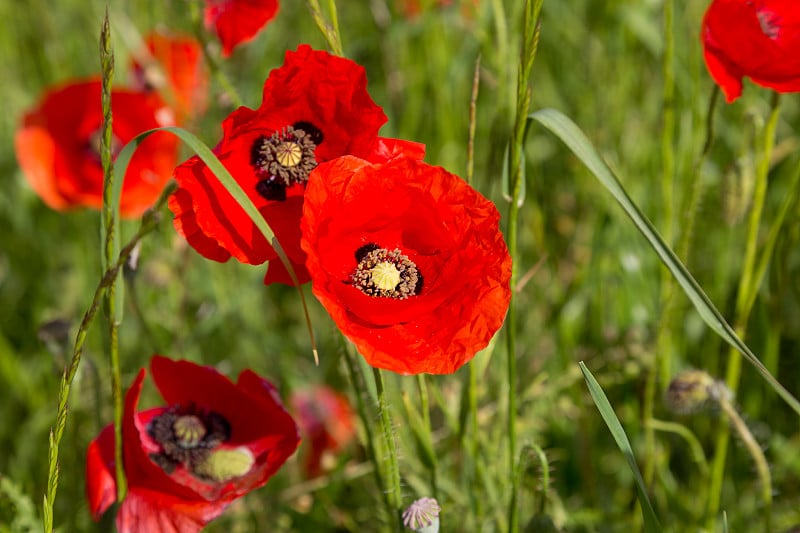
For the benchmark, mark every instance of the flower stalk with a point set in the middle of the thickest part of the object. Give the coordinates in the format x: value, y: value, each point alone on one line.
x: 392, y: 466
x: 530, y: 41
x: 749, y: 283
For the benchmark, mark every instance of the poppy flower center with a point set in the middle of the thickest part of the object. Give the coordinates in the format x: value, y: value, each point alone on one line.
x: 283, y: 159
x: 187, y: 437
x: 385, y: 273
x: 94, y: 145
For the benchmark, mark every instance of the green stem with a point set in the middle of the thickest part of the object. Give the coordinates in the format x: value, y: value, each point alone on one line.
x: 393, y: 469
x: 329, y: 29
x: 360, y: 389
x: 666, y: 326
x: 474, y: 451
x: 426, y: 419
x: 762, y: 467
x: 530, y: 42
x: 149, y: 223
x: 748, y: 285
x: 111, y: 230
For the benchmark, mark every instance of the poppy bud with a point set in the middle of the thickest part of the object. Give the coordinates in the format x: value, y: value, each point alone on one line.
x: 422, y: 516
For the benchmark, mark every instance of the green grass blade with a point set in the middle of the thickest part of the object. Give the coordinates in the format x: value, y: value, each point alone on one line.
x: 607, y: 412
x: 579, y: 144
x: 209, y: 158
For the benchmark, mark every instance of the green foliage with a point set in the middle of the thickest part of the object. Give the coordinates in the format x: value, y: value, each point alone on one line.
x: 590, y: 289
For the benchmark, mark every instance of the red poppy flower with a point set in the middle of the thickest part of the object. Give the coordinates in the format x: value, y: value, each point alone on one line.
x: 315, y: 108
x: 58, y: 142
x: 173, y: 63
x: 755, y: 38
x: 238, y: 21
x: 408, y: 260
x: 326, y: 422
x: 214, y: 442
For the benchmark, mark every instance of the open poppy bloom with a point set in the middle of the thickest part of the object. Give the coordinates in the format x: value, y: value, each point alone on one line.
x: 408, y: 260
x: 326, y: 423
x: 315, y: 108
x: 58, y: 147
x: 238, y: 21
x: 173, y: 63
x: 759, y: 39
x: 213, y: 442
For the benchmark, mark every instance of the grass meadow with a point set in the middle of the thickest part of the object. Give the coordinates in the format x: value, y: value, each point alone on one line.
x: 588, y: 286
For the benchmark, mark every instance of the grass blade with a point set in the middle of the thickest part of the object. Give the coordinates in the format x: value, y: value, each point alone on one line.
x: 579, y: 144
x: 610, y: 418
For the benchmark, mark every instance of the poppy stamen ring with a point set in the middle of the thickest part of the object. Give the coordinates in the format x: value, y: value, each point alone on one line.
x: 385, y: 273
x: 286, y: 157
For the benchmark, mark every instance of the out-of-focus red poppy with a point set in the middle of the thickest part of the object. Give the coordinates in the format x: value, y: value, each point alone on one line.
x: 759, y: 39
x: 326, y: 423
x: 58, y: 144
x: 238, y: 21
x: 408, y: 260
x: 173, y: 63
x: 315, y: 108
x: 212, y: 443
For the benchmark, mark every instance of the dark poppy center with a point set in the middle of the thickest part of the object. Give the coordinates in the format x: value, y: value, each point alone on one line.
x: 385, y: 273
x: 94, y: 145
x: 187, y: 437
x: 283, y: 159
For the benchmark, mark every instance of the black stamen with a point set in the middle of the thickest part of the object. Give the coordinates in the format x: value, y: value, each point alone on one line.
x: 311, y: 130
x: 362, y: 252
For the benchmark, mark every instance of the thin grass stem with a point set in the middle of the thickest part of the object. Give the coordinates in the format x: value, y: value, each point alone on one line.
x: 530, y: 41
x: 330, y: 30
x: 111, y: 230
x: 149, y: 223
x: 749, y: 283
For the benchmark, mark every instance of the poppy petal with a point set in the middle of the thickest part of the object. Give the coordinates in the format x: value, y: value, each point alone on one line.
x: 238, y: 21
x: 448, y: 234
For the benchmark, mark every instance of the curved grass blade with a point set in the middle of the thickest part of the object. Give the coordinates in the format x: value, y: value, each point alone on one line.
x: 233, y: 188
x: 566, y: 130
x: 651, y: 524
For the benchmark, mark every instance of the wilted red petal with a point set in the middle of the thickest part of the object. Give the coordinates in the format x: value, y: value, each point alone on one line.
x: 757, y: 39
x: 445, y: 228
x: 57, y: 144
x: 238, y: 21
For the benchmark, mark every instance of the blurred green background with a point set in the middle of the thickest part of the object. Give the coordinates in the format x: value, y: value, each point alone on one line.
x: 594, y: 293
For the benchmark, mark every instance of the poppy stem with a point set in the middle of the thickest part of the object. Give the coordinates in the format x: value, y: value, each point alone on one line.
x: 422, y: 385
x: 530, y: 41
x: 393, y: 470
x: 149, y: 223
x: 360, y: 388
x: 749, y: 282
